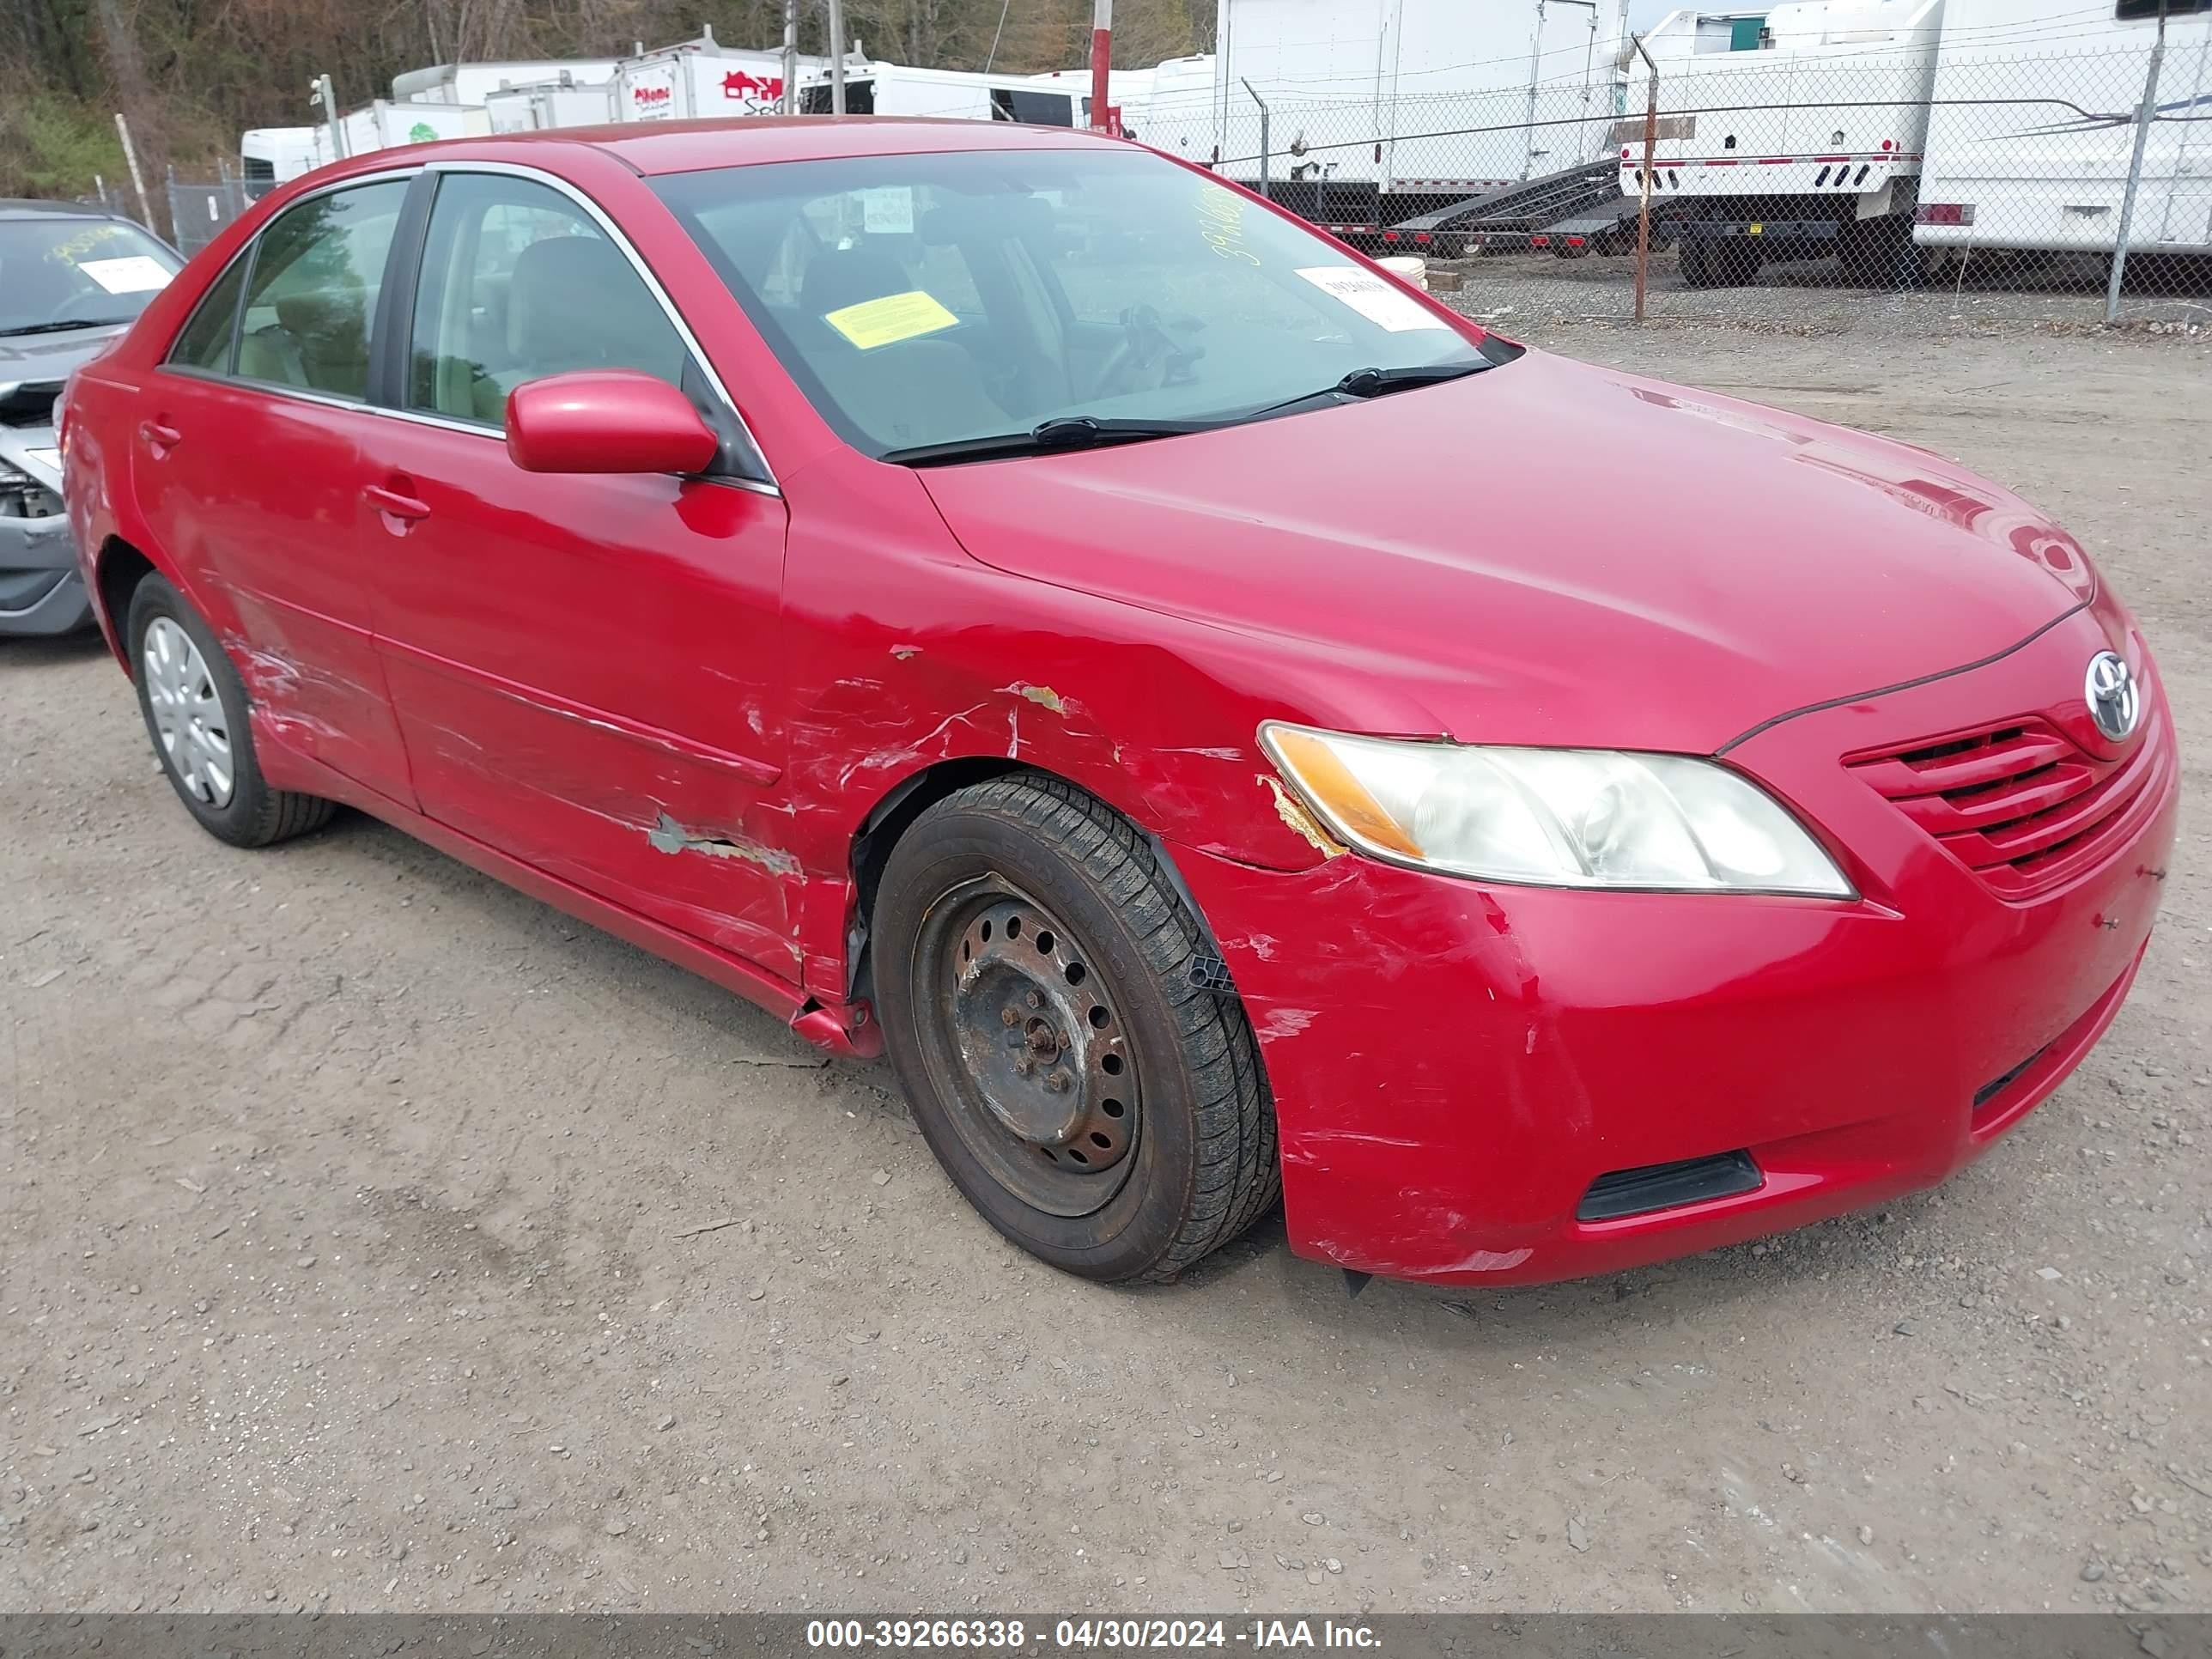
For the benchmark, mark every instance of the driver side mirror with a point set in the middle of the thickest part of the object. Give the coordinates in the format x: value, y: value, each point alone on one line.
x: 606, y: 420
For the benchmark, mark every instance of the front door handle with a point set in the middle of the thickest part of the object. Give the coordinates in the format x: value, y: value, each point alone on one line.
x: 391, y: 501
x: 158, y: 436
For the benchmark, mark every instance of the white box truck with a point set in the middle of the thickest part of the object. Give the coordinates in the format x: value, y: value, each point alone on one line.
x: 1795, y: 132
x: 268, y: 156
x: 1379, y: 109
x: 881, y: 88
x: 383, y: 124
x: 2045, y: 169
x: 474, y: 83
x: 535, y: 109
x: 700, y: 80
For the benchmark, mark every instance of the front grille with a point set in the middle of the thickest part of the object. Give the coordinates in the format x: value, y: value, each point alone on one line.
x: 2021, y: 805
x: 1651, y: 1186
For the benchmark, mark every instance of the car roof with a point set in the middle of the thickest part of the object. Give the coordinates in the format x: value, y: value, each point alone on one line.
x: 662, y: 147
x: 17, y: 207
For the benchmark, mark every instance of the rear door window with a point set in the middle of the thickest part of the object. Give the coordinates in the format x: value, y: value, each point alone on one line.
x: 206, y: 340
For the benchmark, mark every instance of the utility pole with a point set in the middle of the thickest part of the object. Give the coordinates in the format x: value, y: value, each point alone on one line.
x: 790, y: 100
x: 2144, y: 116
x: 137, y: 179
x: 1650, y: 149
x: 837, y: 57
x: 320, y: 91
x: 1265, y: 189
x: 1101, y: 59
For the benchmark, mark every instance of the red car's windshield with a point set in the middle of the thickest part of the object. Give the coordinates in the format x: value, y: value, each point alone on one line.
x: 923, y: 300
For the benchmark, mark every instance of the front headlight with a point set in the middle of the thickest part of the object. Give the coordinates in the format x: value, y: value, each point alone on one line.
x: 1558, y: 817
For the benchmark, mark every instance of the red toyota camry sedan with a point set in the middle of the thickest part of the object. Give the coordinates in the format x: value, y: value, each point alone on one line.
x: 1223, y: 723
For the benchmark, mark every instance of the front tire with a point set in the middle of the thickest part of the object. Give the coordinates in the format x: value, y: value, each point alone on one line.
x: 1032, y: 972
x: 196, y: 710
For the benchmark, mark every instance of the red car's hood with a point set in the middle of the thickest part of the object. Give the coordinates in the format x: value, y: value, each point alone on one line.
x: 1548, y: 552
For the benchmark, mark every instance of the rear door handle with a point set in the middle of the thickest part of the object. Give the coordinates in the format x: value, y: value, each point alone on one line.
x: 391, y: 501
x: 159, y: 436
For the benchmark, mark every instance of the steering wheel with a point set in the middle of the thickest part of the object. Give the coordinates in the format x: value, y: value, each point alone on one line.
x: 1144, y: 358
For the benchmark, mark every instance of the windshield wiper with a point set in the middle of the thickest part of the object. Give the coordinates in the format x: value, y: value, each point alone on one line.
x: 1374, y: 382
x: 70, y: 326
x: 1061, y: 431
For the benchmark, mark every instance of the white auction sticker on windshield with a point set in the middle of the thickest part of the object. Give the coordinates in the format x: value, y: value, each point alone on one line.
x: 136, y: 274
x: 887, y: 211
x: 1377, y: 299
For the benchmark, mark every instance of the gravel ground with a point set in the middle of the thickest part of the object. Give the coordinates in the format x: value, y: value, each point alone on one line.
x: 350, y: 1249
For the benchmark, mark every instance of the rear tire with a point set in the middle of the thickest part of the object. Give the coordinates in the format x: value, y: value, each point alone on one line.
x: 196, y: 711
x: 1032, y: 965
x: 1697, y: 263
x: 1880, y: 253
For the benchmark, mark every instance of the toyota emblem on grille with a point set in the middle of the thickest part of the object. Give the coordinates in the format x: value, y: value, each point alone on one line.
x: 2115, y: 702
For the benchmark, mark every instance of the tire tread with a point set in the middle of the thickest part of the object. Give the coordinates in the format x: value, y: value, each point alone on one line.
x: 1237, y: 1175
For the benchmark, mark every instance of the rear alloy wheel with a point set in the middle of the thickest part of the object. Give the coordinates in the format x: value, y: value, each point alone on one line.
x: 1032, y: 971
x: 196, y: 711
x: 190, y: 728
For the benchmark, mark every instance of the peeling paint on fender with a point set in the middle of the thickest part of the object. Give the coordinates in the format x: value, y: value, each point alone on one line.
x: 1043, y: 696
x: 1302, y: 822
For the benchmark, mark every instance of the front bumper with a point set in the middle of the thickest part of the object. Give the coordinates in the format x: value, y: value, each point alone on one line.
x: 1454, y: 1066
x: 41, y: 589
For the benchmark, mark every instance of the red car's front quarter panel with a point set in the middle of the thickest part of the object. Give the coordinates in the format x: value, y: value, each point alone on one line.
x: 1453, y: 1065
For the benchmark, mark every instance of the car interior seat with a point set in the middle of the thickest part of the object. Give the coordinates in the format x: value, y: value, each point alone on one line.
x: 907, y: 392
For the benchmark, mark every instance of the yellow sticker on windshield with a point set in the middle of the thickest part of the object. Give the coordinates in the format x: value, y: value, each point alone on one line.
x: 894, y: 317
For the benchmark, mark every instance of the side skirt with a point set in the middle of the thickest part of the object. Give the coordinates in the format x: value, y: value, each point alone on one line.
x: 841, y: 1029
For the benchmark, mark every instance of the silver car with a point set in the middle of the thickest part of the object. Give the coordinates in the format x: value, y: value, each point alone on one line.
x: 71, y: 279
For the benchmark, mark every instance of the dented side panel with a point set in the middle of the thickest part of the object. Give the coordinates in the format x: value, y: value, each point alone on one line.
x: 277, y: 570
x: 905, y: 651
x: 588, y: 673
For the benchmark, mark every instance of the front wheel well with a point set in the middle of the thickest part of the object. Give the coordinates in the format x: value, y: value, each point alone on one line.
x: 895, y: 813
x: 120, y: 568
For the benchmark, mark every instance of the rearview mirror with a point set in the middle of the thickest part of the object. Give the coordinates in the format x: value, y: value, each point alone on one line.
x: 606, y: 420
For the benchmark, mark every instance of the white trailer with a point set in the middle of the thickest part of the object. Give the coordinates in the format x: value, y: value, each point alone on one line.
x: 701, y: 79
x: 474, y: 83
x: 268, y: 156
x: 2048, y: 173
x: 1790, y: 133
x: 382, y: 124
x: 1381, y: 109
x: 881, y: 88
x: 535, y: 109
x: 1169, y: 106
x: 1133, y: 93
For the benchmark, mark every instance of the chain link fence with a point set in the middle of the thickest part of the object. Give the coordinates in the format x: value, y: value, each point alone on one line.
x: 1992, y: 182
x: 197, y: 213
x: 200, y: 211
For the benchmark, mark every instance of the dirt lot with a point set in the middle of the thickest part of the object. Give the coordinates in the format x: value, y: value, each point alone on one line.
x: 341, y: 1259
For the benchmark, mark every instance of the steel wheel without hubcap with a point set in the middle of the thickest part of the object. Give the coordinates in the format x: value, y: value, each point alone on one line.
x: 188, y: 719
x: 1029, y: 1049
